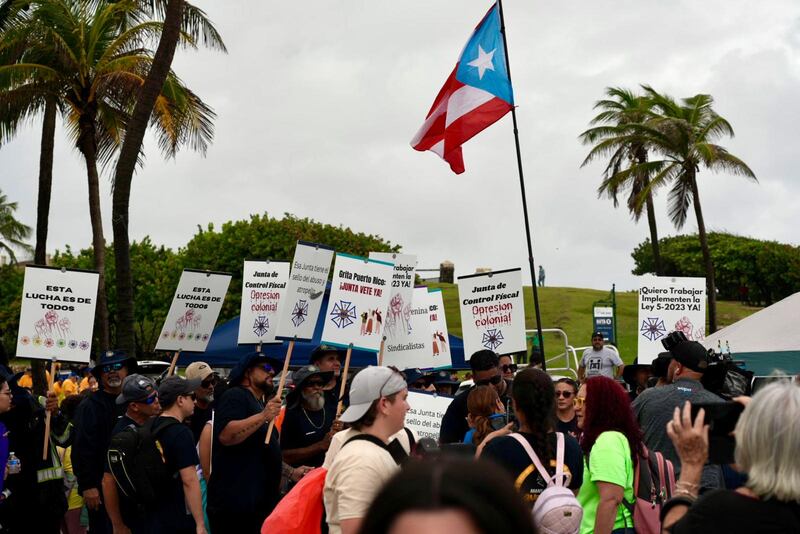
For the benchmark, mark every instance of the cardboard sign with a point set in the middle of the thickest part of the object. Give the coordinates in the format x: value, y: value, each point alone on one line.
x: 359, y: 296
x: 492, y: 312
x: 440, y: 340
x: 398, y: 314
x: 57, y: 315
x: 668, y: 304
x: 414, y: 349
x: 303, y: 299
x: 263, y: 289
x: 426, y: 413
x: 194, y: 311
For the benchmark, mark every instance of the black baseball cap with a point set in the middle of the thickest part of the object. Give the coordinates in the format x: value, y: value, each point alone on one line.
x: 598, y: 334
x: 173, y: 387
x: 691, y: 354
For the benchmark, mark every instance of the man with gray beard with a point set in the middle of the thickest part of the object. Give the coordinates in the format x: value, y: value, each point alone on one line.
x: 94, y: 423
x: 308, y: 425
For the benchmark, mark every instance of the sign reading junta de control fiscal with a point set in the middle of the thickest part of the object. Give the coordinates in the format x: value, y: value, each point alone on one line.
x: 303, y: 298
x: 57, y: 315
x: 263, y: 289
x: 666, y: 305
x: 194, y: 311
x: 356, y: 310
x: 492, y: 312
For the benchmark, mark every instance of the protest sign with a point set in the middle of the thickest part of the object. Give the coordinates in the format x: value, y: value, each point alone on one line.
x: 440, y: 339
x: 415, y: 347
x: 359, y: 296
x: 194, y: 311
x: 492, y: 312
x: 263, y: 289
x: 304, y: 292
x: 398, y: 314
x: 668, y: 304
x: 57, y: 316
x: 426, y: 413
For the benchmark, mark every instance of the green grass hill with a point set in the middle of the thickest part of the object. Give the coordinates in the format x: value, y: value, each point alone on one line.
x: 570, y: 309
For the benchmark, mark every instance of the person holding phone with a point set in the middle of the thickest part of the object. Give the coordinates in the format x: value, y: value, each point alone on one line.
x: 767, y: 440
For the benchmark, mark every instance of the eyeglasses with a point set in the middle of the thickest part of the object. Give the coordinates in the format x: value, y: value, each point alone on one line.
x: 6, y: 392
x: 579, y: 402
x: 509, y: 368
x: 112, y: 367
x: 565, y: 394
x: 496, y: 379
x: 208, y: 383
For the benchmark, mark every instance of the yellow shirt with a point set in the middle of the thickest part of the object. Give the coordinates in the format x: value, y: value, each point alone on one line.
x: 25, y: 381
x: 69, y: 387
x: 84, y: 385
x: 74, y: 500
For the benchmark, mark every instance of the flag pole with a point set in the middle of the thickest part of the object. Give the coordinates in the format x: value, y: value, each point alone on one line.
x: 522, y: 190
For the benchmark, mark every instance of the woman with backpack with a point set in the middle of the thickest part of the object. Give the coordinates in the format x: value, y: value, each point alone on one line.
x: 611, y: 443
x: 533, y: 400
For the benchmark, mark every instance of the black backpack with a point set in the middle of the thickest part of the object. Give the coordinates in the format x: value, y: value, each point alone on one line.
x: 136, y: 462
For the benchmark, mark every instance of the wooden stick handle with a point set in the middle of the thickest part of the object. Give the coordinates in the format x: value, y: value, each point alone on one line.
x: 281, y: 384
x: 174, y: 363
x: 344, y: 380
x: 380, y: 352
x: 46, y: 448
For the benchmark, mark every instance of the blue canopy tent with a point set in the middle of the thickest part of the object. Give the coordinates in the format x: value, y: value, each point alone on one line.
x: 224, y: 351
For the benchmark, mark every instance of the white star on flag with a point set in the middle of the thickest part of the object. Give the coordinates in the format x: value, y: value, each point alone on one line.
x: 483, y: 61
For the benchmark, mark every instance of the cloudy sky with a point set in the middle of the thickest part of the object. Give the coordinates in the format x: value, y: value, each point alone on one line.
x: 317, y: 104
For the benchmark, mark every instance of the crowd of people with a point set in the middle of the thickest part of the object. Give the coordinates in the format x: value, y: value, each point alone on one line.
x: 198, y: 452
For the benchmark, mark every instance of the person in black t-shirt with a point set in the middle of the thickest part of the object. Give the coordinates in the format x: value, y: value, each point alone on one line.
x: 179, y: 509
x: 244, y: 485
x: 141, y: 399
x: 308, y: 425
x: 566, y: 420
x: 534, y: 403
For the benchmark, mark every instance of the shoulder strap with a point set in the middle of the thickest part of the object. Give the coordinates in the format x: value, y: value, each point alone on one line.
x: 555, y: 479
x: 411, y: 441
x: 398, y: 454
x: 154, y: 428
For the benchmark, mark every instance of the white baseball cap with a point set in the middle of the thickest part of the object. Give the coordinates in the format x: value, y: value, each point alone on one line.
x: 369, y: 385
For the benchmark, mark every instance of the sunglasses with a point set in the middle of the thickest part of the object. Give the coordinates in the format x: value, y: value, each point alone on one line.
x: 496, y: 379
x: 208, y: 383
x: 579, y: 402
x: 418, y: 385
x: 509, y: 368
x: 268, y: 368
x: 112, y: 367
x: 314, y: 384
x: 149, y: 400
x: 565, y: 394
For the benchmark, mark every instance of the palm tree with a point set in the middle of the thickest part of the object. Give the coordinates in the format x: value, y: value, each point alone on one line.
x: 12, y: 232
x: 93, y: 60
x: 614, y: 138
x: 684, y: 134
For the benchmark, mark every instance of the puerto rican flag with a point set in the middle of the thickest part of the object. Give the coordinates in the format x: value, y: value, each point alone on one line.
x: 477, y: 94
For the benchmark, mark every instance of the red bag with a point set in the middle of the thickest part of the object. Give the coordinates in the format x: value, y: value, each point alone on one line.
x: 300, y: 511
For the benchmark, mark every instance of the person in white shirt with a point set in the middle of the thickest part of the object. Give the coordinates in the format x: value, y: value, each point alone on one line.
x: 599, y: 360
x: 361, y: 460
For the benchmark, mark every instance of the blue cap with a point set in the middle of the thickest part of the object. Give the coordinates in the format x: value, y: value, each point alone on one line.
x: 414, y: 374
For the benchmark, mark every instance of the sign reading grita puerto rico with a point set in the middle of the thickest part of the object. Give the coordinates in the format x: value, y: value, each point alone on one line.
x: 492, y: 312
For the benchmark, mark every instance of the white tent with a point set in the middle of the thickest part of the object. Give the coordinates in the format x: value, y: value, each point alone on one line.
x: 769, y: 339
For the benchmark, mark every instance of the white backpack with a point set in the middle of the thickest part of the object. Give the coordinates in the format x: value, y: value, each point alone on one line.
x: 556, y: 511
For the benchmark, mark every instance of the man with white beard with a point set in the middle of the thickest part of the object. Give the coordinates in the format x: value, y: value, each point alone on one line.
x: 94, y: 423
x: 308, y: 425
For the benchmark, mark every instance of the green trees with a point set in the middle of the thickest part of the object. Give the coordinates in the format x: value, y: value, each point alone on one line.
x: 12, y: 232
x: 90, y: 59
x: 684, y: 134
x: 614, y: 137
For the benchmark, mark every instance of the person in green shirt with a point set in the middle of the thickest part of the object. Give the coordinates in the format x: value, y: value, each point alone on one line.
x: 611, y: 443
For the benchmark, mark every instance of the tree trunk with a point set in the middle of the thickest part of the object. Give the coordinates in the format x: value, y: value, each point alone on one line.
x: 651, y: 221
x: 126, y: 165
x: 88, y: 147
x: 709, y: 266
x: 42, y: 216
